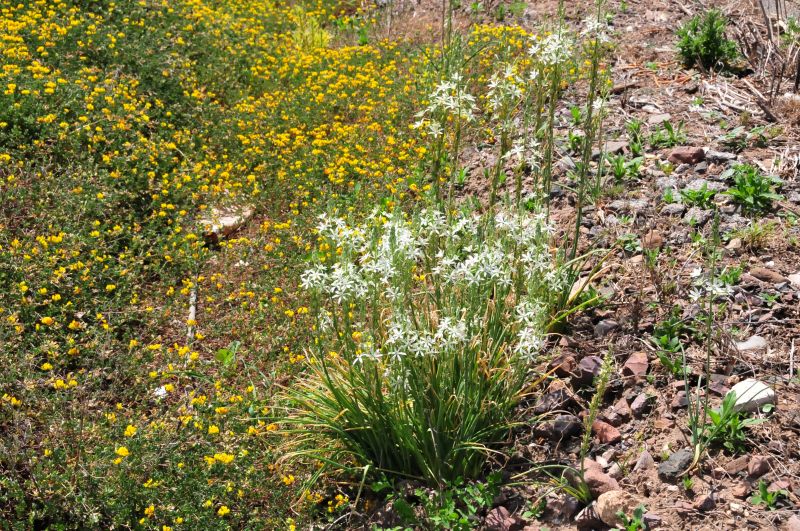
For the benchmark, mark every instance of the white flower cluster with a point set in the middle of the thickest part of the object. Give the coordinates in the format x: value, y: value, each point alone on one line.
x: 552, y: 50
x: 449, y: 98
x: 703, y: 285
x: 402, y: 267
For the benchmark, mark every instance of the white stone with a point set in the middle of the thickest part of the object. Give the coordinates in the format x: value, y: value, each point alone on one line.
x: 752, y: 394
x: 795, y: 279
x: 222, y: 223
x: 752, y: 344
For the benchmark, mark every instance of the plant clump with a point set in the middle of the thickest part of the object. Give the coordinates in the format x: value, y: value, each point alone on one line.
x: 702, y: 42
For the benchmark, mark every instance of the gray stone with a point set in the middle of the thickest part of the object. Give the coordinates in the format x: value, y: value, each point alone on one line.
x: 641, y: 405
x: 698, y: 184
x: 794, y: 279
x: 645, y: 462
x: 758, y: 466
x: 719, y: 156
x: 604, y: 327
x: 673, y: 209
x: 697, y: 215
x: 752, y: 344
x: 588, y: 369
x: 663, y: 183
x: 676, y: 465
x: 751, y: 394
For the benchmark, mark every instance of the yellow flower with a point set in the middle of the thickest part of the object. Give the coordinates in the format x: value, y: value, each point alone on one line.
x: 150, y: 511
x: 130, y: 431
x: 213, y: 430
x: 123, y: 452
x: 223, y: 510
x: 110, y: 287
x: 46, y: 367
x: 48, y: 321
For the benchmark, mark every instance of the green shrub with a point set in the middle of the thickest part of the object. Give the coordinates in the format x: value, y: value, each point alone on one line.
x: 425, y: 330
x: 702, y: 41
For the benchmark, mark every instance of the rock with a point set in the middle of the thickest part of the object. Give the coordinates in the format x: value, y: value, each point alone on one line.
x: 793, y: 523
x: 752, y: 394
x: 734, y: 245
x: 737, y: 465
x: 697, y: 215
x: 719, y: 156
x: 615, y: 501
x: 673, y: 209
x: 794, y: 278
x: 780, y: 484
x: 221, y: 223
x: 664, y: 183
x: 701, y: 167
x: 597, y: 480
x: 636, y: 365
x: 552, y: 401
x: 680, y: 400
x: 676, y: 465
x: 651, y: 520
x: 699, y: 184
x: 641, y: 405
x: 619, y: 413
x: 562, y: 508
x: 768, y: 275
x: 653, y: 240
x: 645, y: 462
x: 588, y: 369
x: 564, y: 365
x: 706, y: 502
x: 658, y: 119
x: 741, y: 490
x: 752, y: 344
x: 758, y: 466
x: 606, y: 433
x: 499, y: 519
x: 561, y: 427
x: 605, y: 327
x: 588, y: 519
x: 611, y: 147
x: 687, y: 155
x: 615, y: 471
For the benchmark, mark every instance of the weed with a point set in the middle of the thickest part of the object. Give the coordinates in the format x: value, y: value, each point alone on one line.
x: 753, y: 190
x: 726, y: 426
x: 634, y: 522
x: 768, y: 499
x: 702, y: 42
x: 701, y: 197
x: 668, y: 135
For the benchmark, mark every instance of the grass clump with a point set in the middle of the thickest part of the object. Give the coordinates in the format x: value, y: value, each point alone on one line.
x: 702, y: 42
x: 425, y: 328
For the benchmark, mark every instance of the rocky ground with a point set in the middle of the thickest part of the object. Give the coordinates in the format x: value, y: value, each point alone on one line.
x: 640, y: 448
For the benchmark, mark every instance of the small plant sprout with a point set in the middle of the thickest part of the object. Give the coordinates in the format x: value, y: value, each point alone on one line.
x: 769, y: 499
x: 702, y: 42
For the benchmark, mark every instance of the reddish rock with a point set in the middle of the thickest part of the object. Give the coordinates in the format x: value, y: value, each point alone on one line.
x: 758, y: 466
x: 499, y: 519
x: 636, y: 365
x: 611, y: 503
x: 768, y: 275
x: 641, y: 405
x: 619, y: 413
x: 606, y: 433
x: 687, y: 155
x: 705, y: 502
x: 597, y: 480
x: 741, y: 490
x: 737, y: 465
x: 652, y: 240
x: 793, y: 523
x: 564, y: 365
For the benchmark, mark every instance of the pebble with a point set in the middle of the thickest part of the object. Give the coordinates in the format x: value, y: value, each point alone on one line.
x: 597, y: 480
x: 705, y: 502
x: 636, y: 365
x: 673, y: 209
x: 768, y: 275
x: 737, y: 465
x: 588, y: 369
